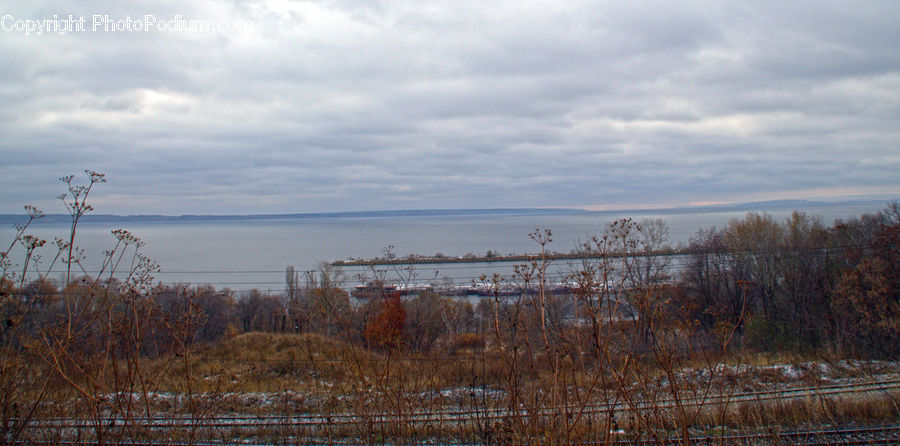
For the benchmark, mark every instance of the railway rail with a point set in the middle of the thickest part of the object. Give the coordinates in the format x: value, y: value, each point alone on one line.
x: 331, y: 428
x: 463, y: 415
x: 843, y: 435
x: 846, y: 436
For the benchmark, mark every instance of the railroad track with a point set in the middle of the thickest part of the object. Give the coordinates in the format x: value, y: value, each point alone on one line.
x: 482, y: 413
x: 314, y: 424
x: 845, y: 436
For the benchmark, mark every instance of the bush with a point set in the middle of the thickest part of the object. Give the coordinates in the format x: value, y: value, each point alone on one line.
x: 766, y: 335
x: 467, y: 341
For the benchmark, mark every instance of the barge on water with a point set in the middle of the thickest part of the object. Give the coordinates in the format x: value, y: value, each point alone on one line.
x: 374, y: 289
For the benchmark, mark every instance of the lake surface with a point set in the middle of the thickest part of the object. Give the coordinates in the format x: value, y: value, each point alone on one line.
x: 252, y: 254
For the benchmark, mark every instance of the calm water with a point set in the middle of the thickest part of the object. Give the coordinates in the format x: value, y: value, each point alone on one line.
x: 253, y: 254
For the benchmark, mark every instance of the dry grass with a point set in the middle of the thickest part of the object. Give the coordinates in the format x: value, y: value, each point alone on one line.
x: 267, y: 374
x: 813, y: 410
x: 268, y: 362
x: 285, y: 374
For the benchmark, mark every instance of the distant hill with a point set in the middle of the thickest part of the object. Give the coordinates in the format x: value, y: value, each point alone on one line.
x: 787, y: 205
x: 772, y: 205
x: 109, y: 218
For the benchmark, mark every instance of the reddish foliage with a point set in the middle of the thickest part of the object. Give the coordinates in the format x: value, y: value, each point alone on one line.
x: 385, y: 329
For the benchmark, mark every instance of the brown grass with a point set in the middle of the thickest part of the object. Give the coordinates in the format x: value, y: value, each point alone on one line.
x: 820, y: 411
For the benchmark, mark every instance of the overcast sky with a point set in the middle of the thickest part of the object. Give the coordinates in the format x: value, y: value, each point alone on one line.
x: 368, y: 105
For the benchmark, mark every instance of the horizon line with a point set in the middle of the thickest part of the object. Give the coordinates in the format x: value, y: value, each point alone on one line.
x: 717, y: 206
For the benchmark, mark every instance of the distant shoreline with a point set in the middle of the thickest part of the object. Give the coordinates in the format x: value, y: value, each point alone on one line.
x: 9, y: 219
x: 110, y: 218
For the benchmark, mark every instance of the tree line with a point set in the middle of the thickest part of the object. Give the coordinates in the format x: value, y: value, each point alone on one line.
x: 771, y: 285
x: 798, y: 284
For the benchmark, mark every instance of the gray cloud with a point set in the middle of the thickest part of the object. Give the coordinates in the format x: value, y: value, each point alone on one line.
x: 321, y: 106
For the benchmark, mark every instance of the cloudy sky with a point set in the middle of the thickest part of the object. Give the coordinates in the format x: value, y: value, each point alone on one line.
x: 368, y: 105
